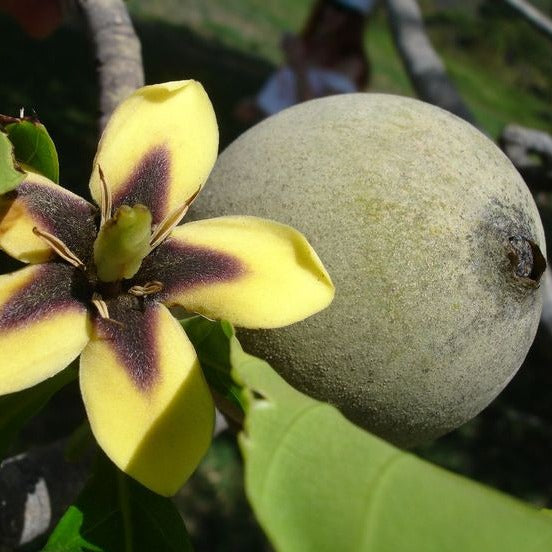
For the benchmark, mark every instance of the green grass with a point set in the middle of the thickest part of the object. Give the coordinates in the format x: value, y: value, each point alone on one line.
x: 255, y: 26
x: 388, y: 74
x: 252, y: 26
x: 496, y: 103
x: 501, y: 65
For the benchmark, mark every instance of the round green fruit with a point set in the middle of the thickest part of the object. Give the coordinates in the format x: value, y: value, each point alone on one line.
x: 432, y: 240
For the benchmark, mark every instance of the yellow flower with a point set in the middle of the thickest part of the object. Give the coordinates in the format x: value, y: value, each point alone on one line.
x: 100, y: 280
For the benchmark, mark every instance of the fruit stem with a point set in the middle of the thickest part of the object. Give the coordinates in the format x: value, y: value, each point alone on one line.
x: 528, y: 262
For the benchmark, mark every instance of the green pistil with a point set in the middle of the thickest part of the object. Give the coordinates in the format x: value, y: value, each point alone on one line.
x: 122, y: 243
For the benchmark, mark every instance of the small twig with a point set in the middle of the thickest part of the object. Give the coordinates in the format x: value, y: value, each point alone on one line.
x: 520, y: 142
x: 532, y: 15
x: 530, y: 151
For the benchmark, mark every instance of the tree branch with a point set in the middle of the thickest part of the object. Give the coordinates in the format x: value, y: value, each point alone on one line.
x: 531, y: 14
x: 530, y: 151
x: 117, y: 50
x: 424, y: 67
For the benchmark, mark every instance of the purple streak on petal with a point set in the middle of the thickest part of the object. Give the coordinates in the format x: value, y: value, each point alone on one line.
x: 181, y: 266
x: 148, y: 184
x: 135, y: 342
x: 67, y: 216
x: 54, y: 288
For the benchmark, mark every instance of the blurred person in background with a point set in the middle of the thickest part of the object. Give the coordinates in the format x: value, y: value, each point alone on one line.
x: 326, y: 58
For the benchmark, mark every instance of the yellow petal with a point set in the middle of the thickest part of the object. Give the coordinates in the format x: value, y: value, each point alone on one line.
x: 256, y: 273
x: 158, y: 147
x: 147, y: 401
x: 42, y: 326
x: 39, y: 202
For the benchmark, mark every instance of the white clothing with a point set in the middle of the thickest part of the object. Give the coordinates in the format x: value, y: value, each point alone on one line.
x: 280, y: 90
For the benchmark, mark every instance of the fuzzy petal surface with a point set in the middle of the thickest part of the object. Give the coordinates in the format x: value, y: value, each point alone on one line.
x: 43, y: 324
x: 40, y: 202
x: 254, y: 272
x: 149, y: 406
x: 158, y: 147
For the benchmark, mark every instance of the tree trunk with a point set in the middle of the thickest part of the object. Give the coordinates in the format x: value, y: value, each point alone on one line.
x: 117, y: 50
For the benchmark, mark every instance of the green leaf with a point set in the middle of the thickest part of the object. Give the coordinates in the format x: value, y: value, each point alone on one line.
x: 10, y: 174
x: 318, y: 482
x: 16, y: 409
x: 211, y: 341
x: 33, y: 147
x: 115, y: 513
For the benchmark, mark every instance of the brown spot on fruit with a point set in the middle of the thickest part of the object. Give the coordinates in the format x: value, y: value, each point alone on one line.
x: 528, y: 263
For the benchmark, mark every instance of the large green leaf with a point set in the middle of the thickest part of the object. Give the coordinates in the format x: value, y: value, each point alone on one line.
x: 33, y: 146
x: 16, y: 409
x: 114, y: 513
x: 319, y: 483
x: 10, y: 174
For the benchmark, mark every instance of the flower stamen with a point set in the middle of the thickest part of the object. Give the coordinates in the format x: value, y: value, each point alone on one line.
x: 59, y: 247
x: 146, y: 289
x: 101, y: 307
x: 167, y: 225
x: 106, y: 205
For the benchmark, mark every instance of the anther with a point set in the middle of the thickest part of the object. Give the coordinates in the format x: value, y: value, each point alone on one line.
x: 167, y: 225
x: 59, y: 247
x: 101, y: 307
x: 146, y: 289
x: 105, y: 199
